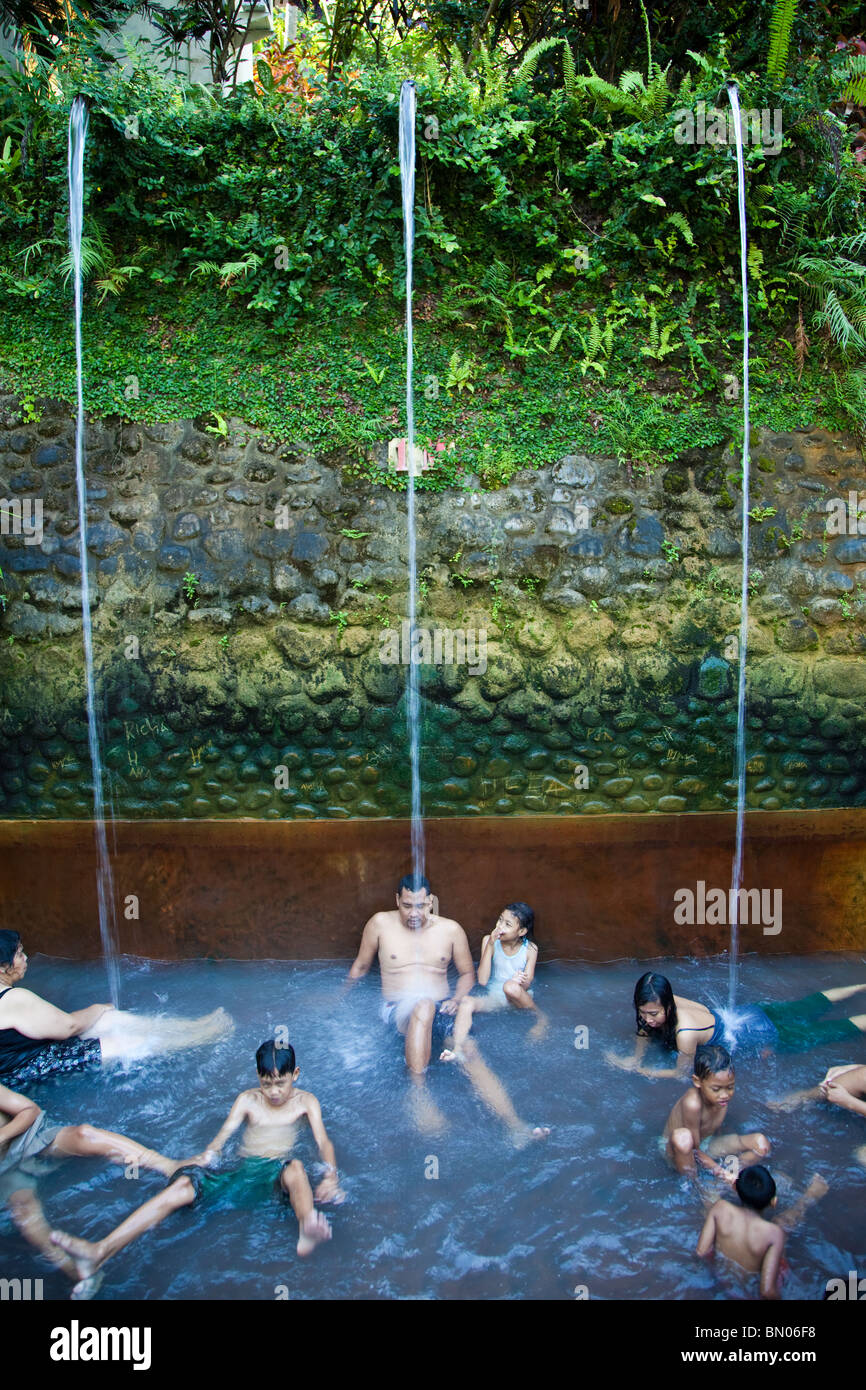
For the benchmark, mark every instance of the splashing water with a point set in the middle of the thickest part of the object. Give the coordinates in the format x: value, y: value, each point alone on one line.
x: 104, y: 882
x: 737, y: 868
x: 407, y: 182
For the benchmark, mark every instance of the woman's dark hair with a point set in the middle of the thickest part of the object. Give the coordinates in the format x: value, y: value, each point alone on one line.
x: 9, y: 943
x: 525, y: 916
x: 272, y: 1058
x: 755, y: 1187
x: 655, y: 989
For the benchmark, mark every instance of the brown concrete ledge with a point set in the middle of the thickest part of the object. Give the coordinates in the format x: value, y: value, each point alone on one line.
x: 602, y: 887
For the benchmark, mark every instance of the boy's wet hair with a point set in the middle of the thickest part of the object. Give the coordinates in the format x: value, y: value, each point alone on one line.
x: 9, y: 943
x: 711, y: 1058
x: 525, y: 916
x: 656, y: 989
x: 413, y: 883
x: 755, y: 1187
x: 273, y: 1057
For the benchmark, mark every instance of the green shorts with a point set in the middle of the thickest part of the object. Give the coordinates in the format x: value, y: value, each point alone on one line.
x: 244, y: 1185
x: 704, y: 1144
x: 800, y: 1025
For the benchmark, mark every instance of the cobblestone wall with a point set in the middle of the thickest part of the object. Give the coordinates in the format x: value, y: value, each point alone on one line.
x: 247, y: 606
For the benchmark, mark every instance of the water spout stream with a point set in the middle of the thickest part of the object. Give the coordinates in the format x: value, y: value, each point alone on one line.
x: 407, y: 183
x: 104, y: 881
x: 740, y: 754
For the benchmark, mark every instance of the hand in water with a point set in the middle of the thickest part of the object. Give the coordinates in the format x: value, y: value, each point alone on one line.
x: 449, y: 1006
x: 624, y: 1063
x: 837, y: 1095
x: 329, y: 1190
x: 206, y: 1159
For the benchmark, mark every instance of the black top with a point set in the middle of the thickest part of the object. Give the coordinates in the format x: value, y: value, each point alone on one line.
x: 29, y: 1059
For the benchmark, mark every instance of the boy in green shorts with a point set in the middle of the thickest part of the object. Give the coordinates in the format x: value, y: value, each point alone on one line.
x: 269, y: 1115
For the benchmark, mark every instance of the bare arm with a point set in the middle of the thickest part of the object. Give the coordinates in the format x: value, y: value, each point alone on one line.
x: 367, y: 951
x: 683, y: 1068
x: 707, y: 1239
x: 328, y: 1188
x: 22, y: 1110
x: 236, y: 1117
x: 462, y: 958
x: 36, y: 1018
x: 840, y: 1090
x: 486, y: 960
x: 788, y: 1219
x: 526, y: 976
x: 629, y: 1063
x: 770, y: 1266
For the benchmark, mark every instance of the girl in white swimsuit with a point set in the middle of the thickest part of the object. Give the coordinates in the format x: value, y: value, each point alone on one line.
x: 507, y: 969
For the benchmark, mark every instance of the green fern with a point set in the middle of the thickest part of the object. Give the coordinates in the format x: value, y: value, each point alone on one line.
x: 679, y: 221
x: 837, y: 283
x: 781, y: 24
x: 528, y: 67
x: 855, y: 91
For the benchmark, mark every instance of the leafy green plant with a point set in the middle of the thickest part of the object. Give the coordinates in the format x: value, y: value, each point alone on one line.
x: 220, y: 428
x: 461, y: 372
x: 341, y: 619
x: 781, y: 24
x: 190, y: 584
x: 671, y: 552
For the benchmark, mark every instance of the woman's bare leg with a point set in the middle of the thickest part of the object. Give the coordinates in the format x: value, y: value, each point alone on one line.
x: 130, y: 1037
x: 843, y: 992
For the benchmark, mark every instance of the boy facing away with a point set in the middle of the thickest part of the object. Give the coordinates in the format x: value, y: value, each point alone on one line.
x: 691, y: 1134
x: 269, y: 1116
x: 744, y: 1234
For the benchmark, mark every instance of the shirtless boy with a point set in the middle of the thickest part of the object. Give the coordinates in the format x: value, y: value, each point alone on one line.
x: 745, y: 1236
x: 28, y: 1138
x: 692, y: 1132
x: 270, y: 1115
x: 415, y: 946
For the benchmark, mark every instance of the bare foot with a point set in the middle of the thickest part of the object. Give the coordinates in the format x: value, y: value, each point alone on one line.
x: 85, y: 1254
x: 87, y: 1288
x: 523, y: 1136
x: 313, y: 1230
x: 427, y: 1117
x: 818, y: 1187
x: 860, y: 1155
x: 450, y: 1055
x: 538, y: 1031
x: 731, y: 1165
x: 787, y: 1103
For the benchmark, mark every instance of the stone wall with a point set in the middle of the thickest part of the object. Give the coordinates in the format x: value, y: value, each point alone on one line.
x: 609, y: 604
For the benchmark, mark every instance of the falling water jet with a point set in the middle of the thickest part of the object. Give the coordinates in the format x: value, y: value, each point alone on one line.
x: 104, y: 882
x: 740, y: 756
x: 407, y: 183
